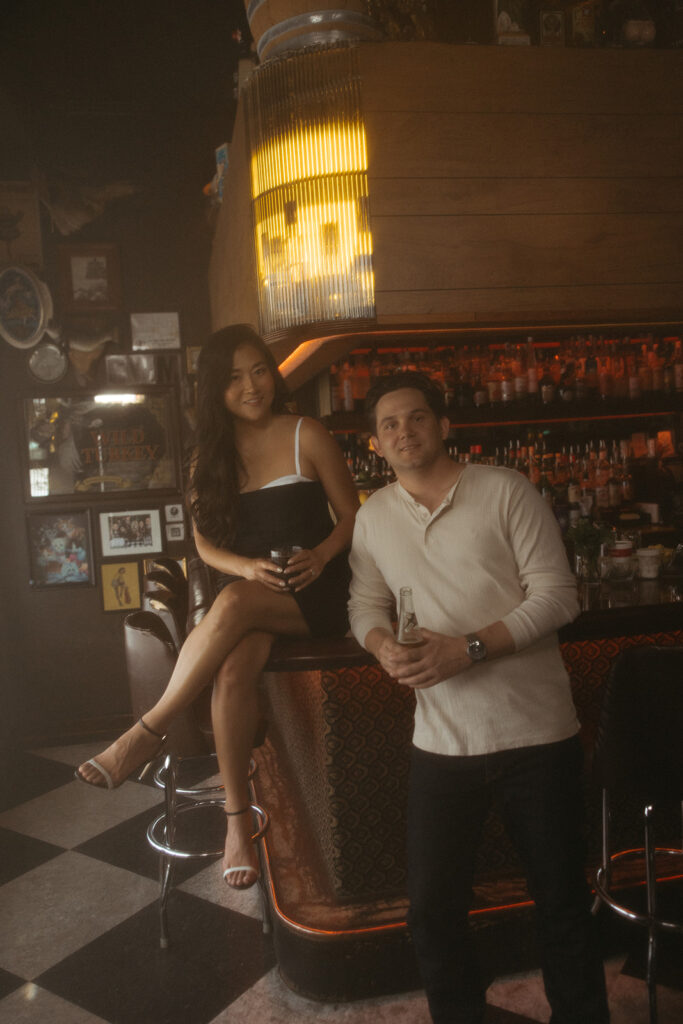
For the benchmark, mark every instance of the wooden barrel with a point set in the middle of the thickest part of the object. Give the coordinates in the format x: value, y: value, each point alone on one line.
x: 281, y: 26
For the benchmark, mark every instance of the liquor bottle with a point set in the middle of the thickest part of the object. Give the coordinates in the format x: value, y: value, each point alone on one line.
x: 360, y: 382
x: 494, y: 384
x: 602, y: 476
x: 614, y: 481
x: 547, y: 385
x: 678, y: 366
x: 345, y: 377
x: 480, y: 392
x: 507, y: 383
x: 605, y: 374
x: 619, y: 376
x: 566, y: 388
x: 408, y: 631
x: 531, y: 370
x: 591, y: 371
x: 335, y: 389
x: 521, y: 377
x: 632, y: 373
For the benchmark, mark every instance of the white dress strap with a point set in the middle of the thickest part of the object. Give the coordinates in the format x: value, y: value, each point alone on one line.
x: 296, y: 446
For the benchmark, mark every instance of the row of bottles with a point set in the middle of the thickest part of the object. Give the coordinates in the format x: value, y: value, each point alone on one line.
x: 528, y: 378
x: 595, y: 477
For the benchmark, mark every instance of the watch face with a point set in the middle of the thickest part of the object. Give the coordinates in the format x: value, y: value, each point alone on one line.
x: 48, y: 362
x: 476, y: 650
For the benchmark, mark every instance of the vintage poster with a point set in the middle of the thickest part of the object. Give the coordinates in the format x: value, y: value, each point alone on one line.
x: 100, y: 444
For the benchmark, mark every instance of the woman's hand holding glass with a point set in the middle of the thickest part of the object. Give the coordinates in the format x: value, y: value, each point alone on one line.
x: 303, y: 567
x: 267, y: 572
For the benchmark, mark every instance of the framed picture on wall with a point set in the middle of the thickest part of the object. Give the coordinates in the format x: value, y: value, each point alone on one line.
x: 99, y: 444
x: 192, y: 358
x: 154, y: 331
x: 120, y: 586
x: 89, y: 277
x: 551, y: 28
x: 60, y: 548
x: 130, y: 533
x: 175, y: 532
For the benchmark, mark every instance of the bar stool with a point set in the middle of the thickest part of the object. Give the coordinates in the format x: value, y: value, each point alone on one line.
x: 162, y: 832
x: 639, y: 752
x: 150, y: 659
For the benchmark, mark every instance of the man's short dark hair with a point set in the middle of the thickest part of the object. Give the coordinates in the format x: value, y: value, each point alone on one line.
x: 433, y: 394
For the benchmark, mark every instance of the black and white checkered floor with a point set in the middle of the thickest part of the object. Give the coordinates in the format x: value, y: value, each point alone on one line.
x: 79, y: 926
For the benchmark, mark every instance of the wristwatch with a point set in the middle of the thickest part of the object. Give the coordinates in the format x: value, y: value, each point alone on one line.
x: 476, y: 648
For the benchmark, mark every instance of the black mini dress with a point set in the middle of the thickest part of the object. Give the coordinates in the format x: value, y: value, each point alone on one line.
x: 296, y: 513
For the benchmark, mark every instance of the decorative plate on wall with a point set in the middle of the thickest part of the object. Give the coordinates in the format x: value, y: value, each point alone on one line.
x: 25, y: 307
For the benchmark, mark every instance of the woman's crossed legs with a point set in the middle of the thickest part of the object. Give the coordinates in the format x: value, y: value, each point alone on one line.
x: 235, y: 625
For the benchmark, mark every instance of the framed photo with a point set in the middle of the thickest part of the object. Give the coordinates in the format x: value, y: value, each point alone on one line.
x: 192, y: 356
x: 551, y: 28
x: 174, y: 513
x: 175, y: 532
x: 154, y: 330
x: 60, y: 548
x: 104, y: 443
x: 584, y: 24
x: 130, y: 533
x: 120, y: 587
x: 124, y: 369
x: 90, y: 278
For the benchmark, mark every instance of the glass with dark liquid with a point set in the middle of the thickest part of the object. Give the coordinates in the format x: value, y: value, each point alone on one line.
x: 282, y: 554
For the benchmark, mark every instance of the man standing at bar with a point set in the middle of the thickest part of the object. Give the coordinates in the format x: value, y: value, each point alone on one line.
x: 495, y: 717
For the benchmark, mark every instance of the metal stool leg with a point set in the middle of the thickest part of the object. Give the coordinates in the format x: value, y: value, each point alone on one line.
x: 162, y: 831
x: 651, y: 888
x: 166, y: 862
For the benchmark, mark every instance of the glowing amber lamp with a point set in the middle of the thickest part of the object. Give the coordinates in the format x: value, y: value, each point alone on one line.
x: 312, y: 235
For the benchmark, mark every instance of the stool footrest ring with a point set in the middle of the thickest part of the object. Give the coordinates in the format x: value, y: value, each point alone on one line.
x: 606, y: 896
x: 156, y: 831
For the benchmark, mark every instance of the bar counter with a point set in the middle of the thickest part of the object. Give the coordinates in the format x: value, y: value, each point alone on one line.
x: 333, y: 774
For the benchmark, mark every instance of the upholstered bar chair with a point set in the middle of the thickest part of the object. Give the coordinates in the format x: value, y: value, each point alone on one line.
x: 639, y: 755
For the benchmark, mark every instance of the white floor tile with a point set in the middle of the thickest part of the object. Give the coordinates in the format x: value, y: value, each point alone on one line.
x: 523, y: 994
x: 74, y: 813
x: 63, y: 904
x: 271, y: 1002
x: 73, y: 755
x: 209, y: 885
x: 32, y: 1005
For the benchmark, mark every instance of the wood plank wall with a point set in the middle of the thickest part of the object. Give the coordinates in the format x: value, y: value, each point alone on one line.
x: 507, y: 185
x: 233, y: 288
x: 524, y: 184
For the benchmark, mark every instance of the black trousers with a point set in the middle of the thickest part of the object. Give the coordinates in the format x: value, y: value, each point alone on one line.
x: 538, y: 793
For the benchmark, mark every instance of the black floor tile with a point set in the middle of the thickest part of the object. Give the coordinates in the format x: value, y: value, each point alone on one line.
x: 24, y: 776
x: 126, y: 846
x: 669, y: 970
x: 19, y: 853
x: 494, y: 1015
x: 9, y: 982
x: 123, y: 976
x: 669, y: 945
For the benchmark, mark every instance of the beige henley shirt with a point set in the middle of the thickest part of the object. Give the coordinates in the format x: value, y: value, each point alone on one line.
x: 491, y: 551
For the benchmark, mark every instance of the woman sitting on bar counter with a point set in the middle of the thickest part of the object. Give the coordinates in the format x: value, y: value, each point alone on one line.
x: 260, y: 478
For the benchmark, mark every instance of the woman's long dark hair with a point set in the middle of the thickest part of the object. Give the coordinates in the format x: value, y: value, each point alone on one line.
x: 216, y: 466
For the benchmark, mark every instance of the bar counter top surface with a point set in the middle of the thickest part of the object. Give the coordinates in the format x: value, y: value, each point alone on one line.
x: 621, y: 609
x: 608, y: 609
